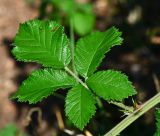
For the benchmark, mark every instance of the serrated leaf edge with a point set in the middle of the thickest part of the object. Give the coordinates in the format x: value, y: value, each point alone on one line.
x: 91, y: 116
x: 129, y: 95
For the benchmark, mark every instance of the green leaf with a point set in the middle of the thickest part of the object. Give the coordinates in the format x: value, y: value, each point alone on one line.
x: 90, y: 50
x: 67, y: 6
x: 81, y: 14
x: 80, y: 106
x: 43, y: 42
x: 85, y: 7
x: 158, y: 123
x: 111, y: 85
x: 42, y: 83
x: 83, y: 22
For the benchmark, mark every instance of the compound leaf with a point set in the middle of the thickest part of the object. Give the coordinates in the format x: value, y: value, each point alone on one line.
x: 43, y: 42
x: 111, y: 85
x: 80, y: 106
x: 42, y: 83
x: 158, y: 123
x: 90, y: 50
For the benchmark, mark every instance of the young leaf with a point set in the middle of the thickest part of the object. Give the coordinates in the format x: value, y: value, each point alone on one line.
x: 80, y: 106
x: 42, y: 83
x: 90, y: 50
x: 111, y: 85
x: 42, y: 42
x: 158, y: 123
x: 81, y: 14
x: 67, y: 6
x: 80, y: 20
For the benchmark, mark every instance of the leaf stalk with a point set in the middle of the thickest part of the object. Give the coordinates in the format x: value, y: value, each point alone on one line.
x: 121, y: 105
x: 129, y: 109
x: 133, y: 116
x: 72, y: 45
x: 76, y: 77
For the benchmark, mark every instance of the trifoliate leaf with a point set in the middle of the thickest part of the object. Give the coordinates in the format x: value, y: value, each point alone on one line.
x: 111, y: 85
x: 42, y: 42
x: 80, y: 106
x: 42, y: 83
x: 158, y: 123
x: 90, y: 50
x: 83, y: 22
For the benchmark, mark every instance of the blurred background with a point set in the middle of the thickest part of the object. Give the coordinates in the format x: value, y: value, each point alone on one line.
x: 139, y: 58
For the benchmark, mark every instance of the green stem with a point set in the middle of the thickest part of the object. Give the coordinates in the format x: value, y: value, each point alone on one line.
x: 72, y: 46
x: 121, y: 105
x: 76, y: 77
x: 99, y: 102
x: 135, y: 115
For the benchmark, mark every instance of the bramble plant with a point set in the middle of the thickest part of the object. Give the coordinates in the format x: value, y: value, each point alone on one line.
x: 46, y: 43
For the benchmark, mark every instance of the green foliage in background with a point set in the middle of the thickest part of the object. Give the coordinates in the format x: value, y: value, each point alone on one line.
x: 11, y: 130
x: 81, y: 14
x: 46, y: 43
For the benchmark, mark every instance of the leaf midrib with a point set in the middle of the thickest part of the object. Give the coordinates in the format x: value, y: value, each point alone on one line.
x: 93, y: 57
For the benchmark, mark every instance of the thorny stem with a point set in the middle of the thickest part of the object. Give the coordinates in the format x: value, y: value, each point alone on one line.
x: 121, y: 105
x: 72, y: 46
x: 135, y: 115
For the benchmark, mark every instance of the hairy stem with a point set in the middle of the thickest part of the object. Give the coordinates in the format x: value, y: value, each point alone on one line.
x: 135, y: 115
x: 121, y: 105
x: 72, y: 46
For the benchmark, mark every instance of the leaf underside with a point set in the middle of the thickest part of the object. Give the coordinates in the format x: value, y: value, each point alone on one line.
x: 42, y: 83
x: 90, y: 50
x: 43, y: 42
x: 111, y: 85
x: 80, y: 106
